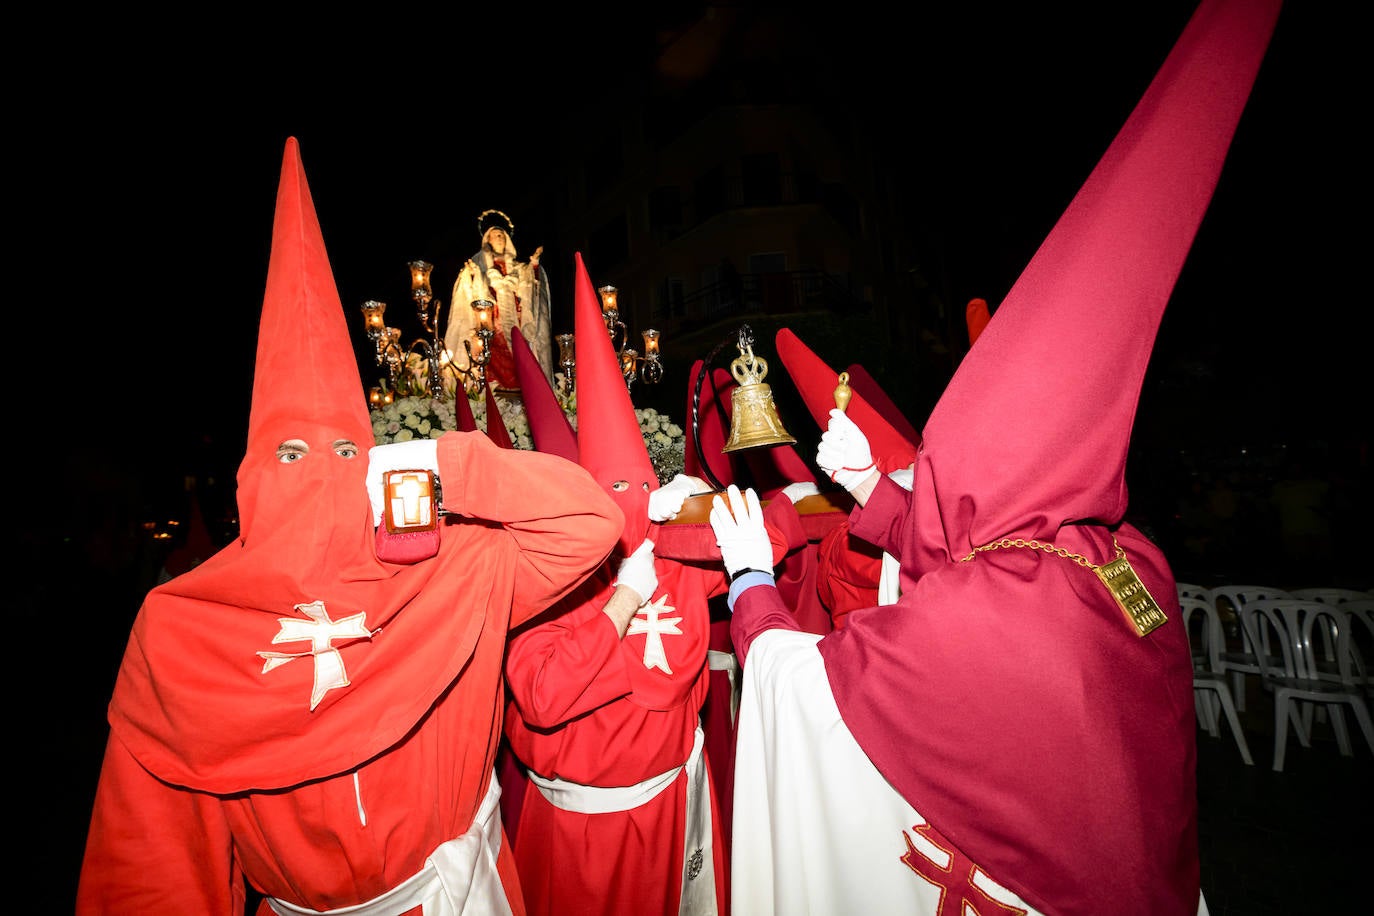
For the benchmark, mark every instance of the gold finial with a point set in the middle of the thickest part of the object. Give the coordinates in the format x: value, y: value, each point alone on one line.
x: 843, y: 392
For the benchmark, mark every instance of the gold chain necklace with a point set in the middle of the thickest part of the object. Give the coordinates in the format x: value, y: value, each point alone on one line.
x: 1121, y: 581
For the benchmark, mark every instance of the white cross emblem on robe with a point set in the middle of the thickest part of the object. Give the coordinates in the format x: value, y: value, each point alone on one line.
x: 653, y: 627
x: 321, y: 631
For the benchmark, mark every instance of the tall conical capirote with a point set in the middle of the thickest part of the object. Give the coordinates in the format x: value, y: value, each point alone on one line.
x: 246, y: 714
x: 1060, y: 755
x: 707, y: 421
x: 305, y: 380
x: 815, y: 381
x: 610, y: 444
x: 464, y: 420
x: 549, y: 426
x: 976, y: 318
x: 496, y: 424
x: 867, y: 386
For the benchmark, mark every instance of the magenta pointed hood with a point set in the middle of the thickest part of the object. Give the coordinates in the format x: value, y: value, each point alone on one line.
x: 549, y: 426
x: 1007, y: 697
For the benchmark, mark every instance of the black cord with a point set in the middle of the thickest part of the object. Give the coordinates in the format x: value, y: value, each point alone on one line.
x: 706, y: 365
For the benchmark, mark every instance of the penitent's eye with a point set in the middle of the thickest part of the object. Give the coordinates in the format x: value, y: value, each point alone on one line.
x: 345, y: 448
x: 620, y: 486
x: 292, y: 450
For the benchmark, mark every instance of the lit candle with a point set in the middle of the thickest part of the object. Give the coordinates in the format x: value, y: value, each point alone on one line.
x: 651, y: 343
x: 608, y: 300
x: 419, y: 276
x: 483, y: 309
x: 373, y: 317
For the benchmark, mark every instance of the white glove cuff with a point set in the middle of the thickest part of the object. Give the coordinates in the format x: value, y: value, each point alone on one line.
x: 850, y: 478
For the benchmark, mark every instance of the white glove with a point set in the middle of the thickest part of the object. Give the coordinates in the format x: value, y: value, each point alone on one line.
x: 740, y: 533
x: 666, y: 502
x: 412, y: 455
x: 637, y: 572
x: 800, y: 490
x: 903, y: 477
x: 844, y: 454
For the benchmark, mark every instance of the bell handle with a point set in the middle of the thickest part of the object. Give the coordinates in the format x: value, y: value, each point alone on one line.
x: 843, y: 392
x: 750, y: 371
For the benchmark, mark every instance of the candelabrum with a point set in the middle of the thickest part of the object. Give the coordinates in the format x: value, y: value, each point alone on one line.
x: 567, y: 361
x: 426, y: 357
x: 647, y: 367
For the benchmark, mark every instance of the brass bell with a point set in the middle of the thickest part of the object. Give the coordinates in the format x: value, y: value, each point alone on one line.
x: 754, y: 418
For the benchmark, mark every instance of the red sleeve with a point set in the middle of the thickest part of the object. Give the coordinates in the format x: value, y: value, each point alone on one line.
x: 757, y: 609
x: 567, y: 667
x: 564, y: 523
x: 880, y: 520
x: 781, y: 516
x: 848, y: 573
x: 155, y: 848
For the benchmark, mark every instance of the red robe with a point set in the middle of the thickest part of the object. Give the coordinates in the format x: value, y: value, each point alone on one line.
x: 586, y: 708
x: 621, y: 723
x: 217, y: 770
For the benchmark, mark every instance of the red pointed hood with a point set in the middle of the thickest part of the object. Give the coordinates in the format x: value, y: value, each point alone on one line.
x: 306, y: 383
x: 496, y: 424
x: 610, y: 444
x: 549, y: 426
x: 463, y: 418
x: 816, y: 381
x: 712, y: 416
x: 209, y: 694
x: 976, y: 318
x: 1007, y: 697
x: 878, y: 399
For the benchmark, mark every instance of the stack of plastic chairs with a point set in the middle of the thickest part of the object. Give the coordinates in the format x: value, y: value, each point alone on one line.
x: 1241, y: 656
x: 1331, y: 595
x: 1361, y: 611
x: 1300, y: 674
x: 1357, y: 603
x: 1211, y: 692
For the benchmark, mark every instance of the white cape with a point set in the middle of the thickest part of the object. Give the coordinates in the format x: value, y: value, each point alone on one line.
x: 817, y: 829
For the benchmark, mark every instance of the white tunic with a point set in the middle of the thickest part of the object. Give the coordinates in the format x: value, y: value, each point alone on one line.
x: 817, y: 829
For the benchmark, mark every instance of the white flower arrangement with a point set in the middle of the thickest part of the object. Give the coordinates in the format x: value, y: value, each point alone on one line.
x: 665, y: 441
x: 413, y: 417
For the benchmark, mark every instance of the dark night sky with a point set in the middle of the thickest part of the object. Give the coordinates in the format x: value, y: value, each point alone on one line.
x: 148, y: 145
x: 168, y: 157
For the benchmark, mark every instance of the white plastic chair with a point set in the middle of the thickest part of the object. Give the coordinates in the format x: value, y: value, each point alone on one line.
x: 1190, y: 590
x: 1239, y: 658
x: 1292, y: 627
x: 1202, y: 623
x: 1361, y: 642
x: 1330, y: 595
